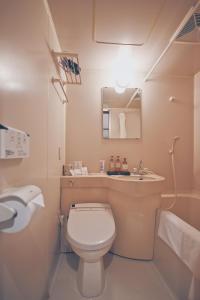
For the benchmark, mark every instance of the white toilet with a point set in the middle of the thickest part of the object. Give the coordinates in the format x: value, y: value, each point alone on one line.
x: 90, y: 232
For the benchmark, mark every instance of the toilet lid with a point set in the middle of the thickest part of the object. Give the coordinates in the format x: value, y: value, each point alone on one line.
x: 90, y: 227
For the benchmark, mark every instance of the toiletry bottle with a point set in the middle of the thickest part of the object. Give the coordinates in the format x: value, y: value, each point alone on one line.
x: 118, y: 164
x: 102, y: 166
x: 111, y: 164
x: 124, y: 165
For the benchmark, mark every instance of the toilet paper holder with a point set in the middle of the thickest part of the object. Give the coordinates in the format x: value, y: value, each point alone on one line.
x: 29, y: 198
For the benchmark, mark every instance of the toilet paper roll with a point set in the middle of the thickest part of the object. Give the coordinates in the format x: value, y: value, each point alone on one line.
x: 24, y: 213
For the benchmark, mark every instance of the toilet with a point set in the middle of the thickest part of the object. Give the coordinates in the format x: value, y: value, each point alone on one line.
x: 90, y: 231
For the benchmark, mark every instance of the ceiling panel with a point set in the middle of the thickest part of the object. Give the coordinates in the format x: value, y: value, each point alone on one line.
x: 125, y: 22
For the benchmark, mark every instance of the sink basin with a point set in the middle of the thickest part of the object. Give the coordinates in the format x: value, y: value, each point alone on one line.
x: 135, y: 177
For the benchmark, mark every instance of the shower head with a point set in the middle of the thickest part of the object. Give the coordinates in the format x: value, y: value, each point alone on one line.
x: 175, y: 139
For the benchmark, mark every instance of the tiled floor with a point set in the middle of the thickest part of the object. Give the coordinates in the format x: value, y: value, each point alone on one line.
x: 126, y: 279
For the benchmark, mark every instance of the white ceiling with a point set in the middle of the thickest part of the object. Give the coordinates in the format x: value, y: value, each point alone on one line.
x: 75, y: 20
x: 127, y: 22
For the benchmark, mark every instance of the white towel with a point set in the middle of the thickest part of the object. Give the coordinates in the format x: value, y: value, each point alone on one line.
x: 184, y: 240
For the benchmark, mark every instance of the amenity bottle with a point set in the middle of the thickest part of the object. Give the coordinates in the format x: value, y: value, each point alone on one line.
x: 112, y: 164
x: 118, y: 164
x: 124, y: 165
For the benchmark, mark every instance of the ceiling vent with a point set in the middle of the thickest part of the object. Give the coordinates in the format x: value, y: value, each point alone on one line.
x: 191, y: 31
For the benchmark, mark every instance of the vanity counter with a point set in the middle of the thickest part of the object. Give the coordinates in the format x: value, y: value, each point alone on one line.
x: 133, y: 184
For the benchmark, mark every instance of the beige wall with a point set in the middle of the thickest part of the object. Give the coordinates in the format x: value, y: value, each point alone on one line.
x: 197, y: 131
x: 29, y: 102
x: 161, y: 121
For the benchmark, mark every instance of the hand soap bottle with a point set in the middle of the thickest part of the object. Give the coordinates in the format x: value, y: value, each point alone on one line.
x: 111, y: 164
x: 124, y: 165
x: 118, y: 164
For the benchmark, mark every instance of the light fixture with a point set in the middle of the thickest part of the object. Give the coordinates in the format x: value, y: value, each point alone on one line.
x: 118, y: 89
x: 122, y: 69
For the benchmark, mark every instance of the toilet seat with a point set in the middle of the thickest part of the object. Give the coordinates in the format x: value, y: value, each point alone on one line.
x: 90, y: 226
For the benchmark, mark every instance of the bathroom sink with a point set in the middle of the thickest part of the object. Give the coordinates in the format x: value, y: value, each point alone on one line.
x: 136, y: 177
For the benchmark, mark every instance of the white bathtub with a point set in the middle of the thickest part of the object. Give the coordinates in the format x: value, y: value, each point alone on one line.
x: 173, y: 268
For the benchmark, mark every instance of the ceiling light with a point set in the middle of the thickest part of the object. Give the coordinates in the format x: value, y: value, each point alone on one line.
x: 119, y: 90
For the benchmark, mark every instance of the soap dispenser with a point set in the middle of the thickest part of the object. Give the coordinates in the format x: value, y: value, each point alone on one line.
x: 118, y: 164
x: 124, y: 165
x: 112, y: 164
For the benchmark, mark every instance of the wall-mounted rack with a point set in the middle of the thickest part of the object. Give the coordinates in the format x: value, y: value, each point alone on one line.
x: 56, y: 82
x: 69, y: 64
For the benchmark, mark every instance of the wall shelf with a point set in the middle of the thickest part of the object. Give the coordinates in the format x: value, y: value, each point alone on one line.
x: 69, y: 64
x: 68, y: 70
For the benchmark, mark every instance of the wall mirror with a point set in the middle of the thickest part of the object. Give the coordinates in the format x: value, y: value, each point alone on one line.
x: 121, y: 113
